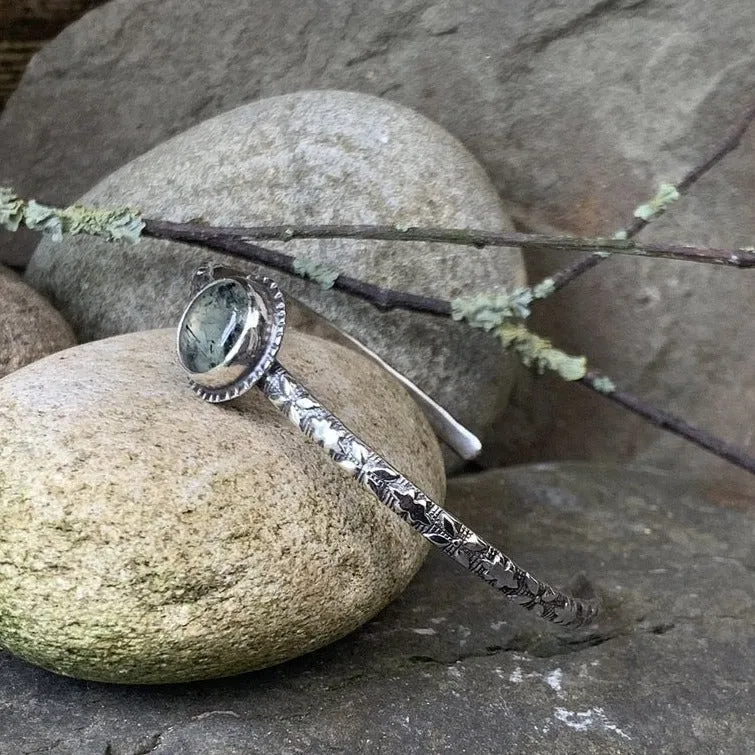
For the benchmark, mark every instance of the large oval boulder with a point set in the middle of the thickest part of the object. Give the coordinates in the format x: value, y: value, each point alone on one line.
x: 311, y: 157
x: 148, y: 536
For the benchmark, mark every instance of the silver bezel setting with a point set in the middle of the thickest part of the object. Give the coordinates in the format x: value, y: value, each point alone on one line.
x: 244, y: 365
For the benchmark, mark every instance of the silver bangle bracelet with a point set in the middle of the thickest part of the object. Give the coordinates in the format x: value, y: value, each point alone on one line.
x: 228, y: 340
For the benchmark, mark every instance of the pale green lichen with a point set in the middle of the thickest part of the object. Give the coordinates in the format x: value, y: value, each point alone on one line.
x: 39, y: 217
x: 487, y: 311
x: 319, y: 272
x: 621, y: 235
x: 538, y: 352
x: 667, y: 193
x: 544, y: 289
x: 114, y: 225
x: 402, y: 227
x: 11, y: 209
x: 604, y: 384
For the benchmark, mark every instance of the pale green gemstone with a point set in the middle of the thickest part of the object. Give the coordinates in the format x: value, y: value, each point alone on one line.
x: 213, y: 326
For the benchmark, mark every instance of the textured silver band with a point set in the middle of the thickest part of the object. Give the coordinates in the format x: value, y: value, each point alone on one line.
x: 432, y: 521
x: 228, y: 340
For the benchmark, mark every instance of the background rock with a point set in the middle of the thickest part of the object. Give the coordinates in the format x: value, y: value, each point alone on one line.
x: 148, y: 536
x: 310, y: 157
x: 453, y: 667
x: 25, y: 27
x: 31, y: 328
x: 577, y: 108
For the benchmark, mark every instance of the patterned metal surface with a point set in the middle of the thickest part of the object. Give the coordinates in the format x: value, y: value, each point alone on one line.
x: 254, y: 362
x: 433, y: 522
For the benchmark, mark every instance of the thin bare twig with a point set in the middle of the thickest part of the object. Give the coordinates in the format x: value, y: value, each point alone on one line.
x: 384, y: 298
x: 728, y: 144
x: 667, y: 421
x: 381, y: 297
x: 235, y: 241
x: 740, y: 258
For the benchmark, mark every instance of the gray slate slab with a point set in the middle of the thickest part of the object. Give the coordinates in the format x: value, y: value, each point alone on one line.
x: 452, y: 667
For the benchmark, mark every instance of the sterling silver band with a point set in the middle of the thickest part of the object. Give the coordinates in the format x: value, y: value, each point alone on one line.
x: 239, y: 354
x: 457, y: 437
x: 432, y: 521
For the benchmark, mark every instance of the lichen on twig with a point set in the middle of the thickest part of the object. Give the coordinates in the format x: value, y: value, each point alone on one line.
x: 603, y: 384
x: 320, y: 272
x: 11, y: 209
x: 111, y: 224
x: 487, y: 311
x: 538, y: 352
x: 503, y: 314
x: 650, y: 210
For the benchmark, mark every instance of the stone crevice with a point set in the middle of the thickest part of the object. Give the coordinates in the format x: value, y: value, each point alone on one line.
x: 153, y: 741
x: 539, y: 645
x: 381, y: 44
x: 445, y: 32
x: 150, y: 744
x: 581, y: 23
x: 545, y: 645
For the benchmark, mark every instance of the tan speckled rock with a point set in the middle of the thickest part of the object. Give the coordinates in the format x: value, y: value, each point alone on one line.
x: 147, y: 536
x: 31, y: 328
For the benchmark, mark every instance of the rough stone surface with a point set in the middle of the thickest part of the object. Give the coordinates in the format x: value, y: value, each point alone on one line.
x: 148, y: 536
x: 577, y: 108
x: 309, y: 157
x: 451, y: 667
x: 31, y: 328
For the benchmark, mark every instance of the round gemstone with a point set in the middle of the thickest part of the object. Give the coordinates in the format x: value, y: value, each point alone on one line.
x: 214, y: 324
